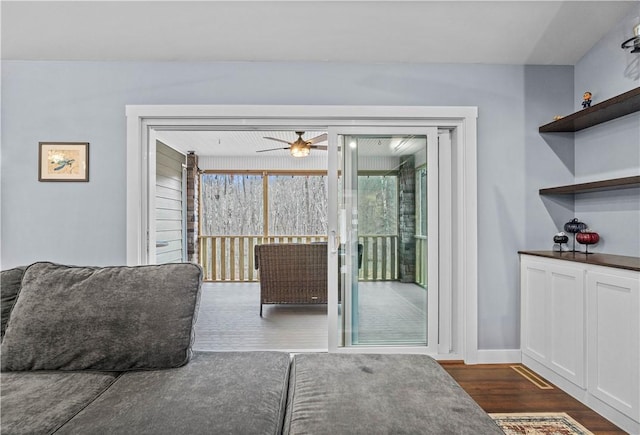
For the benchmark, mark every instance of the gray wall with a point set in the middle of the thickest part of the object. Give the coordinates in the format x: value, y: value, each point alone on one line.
x: 84, y: 223
x: 612, y: 149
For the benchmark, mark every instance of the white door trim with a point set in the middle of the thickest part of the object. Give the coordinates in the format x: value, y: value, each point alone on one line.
x: 143, y: 119
x: 445, y: 249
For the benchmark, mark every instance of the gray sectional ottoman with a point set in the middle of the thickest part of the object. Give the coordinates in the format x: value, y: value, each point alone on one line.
x: 89, y: 350
x: 379, y: 394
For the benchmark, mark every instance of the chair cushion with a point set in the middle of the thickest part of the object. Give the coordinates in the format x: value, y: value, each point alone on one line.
x: 383, y: 394
x: 41, y: 402
x: 111, y: 318
x: 10, y: 283
x: 216, y: 393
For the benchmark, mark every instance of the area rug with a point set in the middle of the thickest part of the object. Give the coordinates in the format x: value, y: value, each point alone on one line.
x: 555, y: 423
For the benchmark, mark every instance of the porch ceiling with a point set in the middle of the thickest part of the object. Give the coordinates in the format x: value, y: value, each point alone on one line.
x: 246, y: 143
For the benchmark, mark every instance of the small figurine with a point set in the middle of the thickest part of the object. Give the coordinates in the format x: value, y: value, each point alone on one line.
x: 558, y: 117
x: 586, y: 100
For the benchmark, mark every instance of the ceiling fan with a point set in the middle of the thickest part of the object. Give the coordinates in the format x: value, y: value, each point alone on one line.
x: 301, y: 147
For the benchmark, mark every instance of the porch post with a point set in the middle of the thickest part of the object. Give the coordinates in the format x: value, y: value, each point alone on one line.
x: 193, y: 200
x: 407, y: 219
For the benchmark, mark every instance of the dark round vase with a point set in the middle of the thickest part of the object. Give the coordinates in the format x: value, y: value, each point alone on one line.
x: 560, y: 239
x: 574, y: 226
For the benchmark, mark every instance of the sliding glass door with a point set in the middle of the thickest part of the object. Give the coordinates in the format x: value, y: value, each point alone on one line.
x: 379, y: 234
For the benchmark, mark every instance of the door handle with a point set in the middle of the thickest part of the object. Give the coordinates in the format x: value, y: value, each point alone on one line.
x: 334, y: 243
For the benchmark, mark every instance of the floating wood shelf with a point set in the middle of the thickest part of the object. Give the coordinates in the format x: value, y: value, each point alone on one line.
x: 595, y: 186
x: 613, y: 108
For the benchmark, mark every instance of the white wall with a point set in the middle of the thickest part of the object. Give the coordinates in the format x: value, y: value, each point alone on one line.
x: 84, y: 223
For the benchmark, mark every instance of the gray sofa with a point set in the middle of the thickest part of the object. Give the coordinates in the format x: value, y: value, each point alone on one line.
x: 108, y: 351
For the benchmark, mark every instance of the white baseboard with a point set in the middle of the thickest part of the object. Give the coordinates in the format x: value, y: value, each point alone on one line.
x: 499, y: 356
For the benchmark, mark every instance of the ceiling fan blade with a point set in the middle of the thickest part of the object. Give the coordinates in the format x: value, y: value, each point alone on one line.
x: 279, y: 140
x: 272, y: 149
x: 319, y: 147
x: 321, y: 138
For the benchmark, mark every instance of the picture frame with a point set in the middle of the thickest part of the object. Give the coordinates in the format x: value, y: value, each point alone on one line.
x: 63, y: 161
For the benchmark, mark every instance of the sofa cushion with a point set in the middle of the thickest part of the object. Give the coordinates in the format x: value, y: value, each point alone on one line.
x: 41, y: 402
x: 383, y: 394
x: 216, y: 393
x: 10, y: 283
x: 111, y: 318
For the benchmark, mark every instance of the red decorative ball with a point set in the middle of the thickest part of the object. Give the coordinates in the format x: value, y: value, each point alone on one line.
x: 587, y: 237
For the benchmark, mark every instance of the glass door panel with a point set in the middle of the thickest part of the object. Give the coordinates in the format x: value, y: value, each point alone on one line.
x: 381, y: 300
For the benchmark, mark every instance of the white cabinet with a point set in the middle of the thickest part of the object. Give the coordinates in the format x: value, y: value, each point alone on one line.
x: 580, y: 328
x: 613, y: 306
x: 553, y: 325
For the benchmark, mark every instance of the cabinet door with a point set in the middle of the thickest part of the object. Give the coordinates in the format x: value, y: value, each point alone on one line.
x: 534, y: 303
x: 613, y: 328
x: 552, y: 314
x: 566, y: 323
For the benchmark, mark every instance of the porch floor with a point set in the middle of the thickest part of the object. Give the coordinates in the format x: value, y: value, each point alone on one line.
x: 228, y: 318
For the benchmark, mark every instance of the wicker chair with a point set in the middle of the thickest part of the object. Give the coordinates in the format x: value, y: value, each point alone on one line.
x: 292, y: 273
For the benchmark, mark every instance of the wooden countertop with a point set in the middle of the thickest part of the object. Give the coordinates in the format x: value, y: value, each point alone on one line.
x: 617, y: 261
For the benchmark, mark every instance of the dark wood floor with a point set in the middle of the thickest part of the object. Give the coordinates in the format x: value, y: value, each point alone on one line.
x: 500, y: 388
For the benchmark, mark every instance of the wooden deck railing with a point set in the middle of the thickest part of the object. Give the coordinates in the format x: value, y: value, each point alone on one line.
x: 230, y: 258
x: 379, y: 257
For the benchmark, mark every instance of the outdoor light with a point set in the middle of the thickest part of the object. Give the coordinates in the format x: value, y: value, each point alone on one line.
x: 300, y: 149
x: 634, y: 42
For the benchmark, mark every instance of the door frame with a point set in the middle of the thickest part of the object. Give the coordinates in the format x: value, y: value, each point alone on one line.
x: 143, y: 120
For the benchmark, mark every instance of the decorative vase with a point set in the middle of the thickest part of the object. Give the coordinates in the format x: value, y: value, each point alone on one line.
x: 587, y: 237
x: 574, y: 226
x: 559, y: 239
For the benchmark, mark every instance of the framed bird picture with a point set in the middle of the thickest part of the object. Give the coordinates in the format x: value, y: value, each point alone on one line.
x: 63, y: 161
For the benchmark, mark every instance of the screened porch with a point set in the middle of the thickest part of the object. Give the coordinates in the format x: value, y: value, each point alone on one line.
x: 239, y: 210
x: 233, y: 205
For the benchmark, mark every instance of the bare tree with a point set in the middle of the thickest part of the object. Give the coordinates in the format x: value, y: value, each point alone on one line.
x: 232, y: 204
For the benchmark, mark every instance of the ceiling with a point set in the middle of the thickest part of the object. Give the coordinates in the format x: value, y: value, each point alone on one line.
x: 232, y: 143
x: 418, y: 31
x: 246, y: 143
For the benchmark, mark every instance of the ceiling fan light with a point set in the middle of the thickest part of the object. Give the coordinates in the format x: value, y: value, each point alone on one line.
x: 299, y: 150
